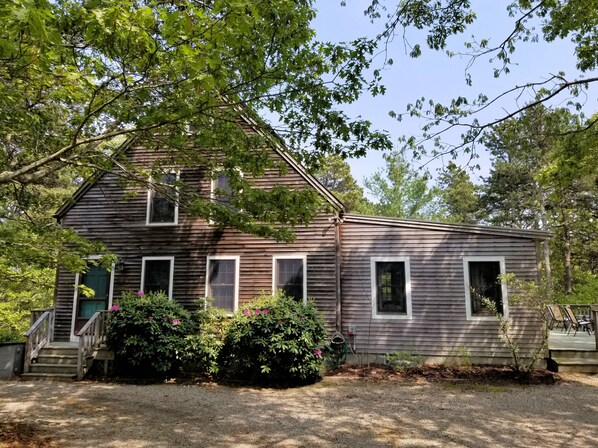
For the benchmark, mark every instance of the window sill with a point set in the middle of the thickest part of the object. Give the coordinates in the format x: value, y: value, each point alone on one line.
x: 161, y: 224
x: 392, y: 316
x: 482, y: 318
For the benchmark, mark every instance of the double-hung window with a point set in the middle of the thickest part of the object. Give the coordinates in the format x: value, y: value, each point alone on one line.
x: 222, y: 281
x: 221, y: 191
x: 289, y: 274
x: 391, y: 287
x: 157, y: 274
x: 162, y: 200
x: 482, y: 281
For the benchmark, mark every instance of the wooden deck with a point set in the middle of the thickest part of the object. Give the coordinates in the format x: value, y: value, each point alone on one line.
x: 568, y: 353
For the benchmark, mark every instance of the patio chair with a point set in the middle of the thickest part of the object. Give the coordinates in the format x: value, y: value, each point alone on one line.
x: 556, y: 317
x: 583, y: 324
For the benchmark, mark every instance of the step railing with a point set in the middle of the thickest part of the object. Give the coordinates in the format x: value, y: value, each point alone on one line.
x: 39, y: 335
x: 91, y: 337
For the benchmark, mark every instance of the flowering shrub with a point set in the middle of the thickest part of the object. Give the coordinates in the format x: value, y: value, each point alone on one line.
x: 274, y: 340
x: 147, y: 334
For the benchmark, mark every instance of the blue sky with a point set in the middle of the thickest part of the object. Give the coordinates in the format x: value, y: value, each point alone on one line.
x: 434, y: 75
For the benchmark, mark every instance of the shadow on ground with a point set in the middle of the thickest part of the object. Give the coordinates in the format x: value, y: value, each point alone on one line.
x: 333, y: 413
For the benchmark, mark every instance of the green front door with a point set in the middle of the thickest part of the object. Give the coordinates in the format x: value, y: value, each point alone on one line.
x: 97, y: 279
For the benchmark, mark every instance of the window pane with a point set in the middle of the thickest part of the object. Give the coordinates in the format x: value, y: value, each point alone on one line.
x: 97, y: 279
x: 391, y: 292
x: 222, y: 283
x: 289, y: 277
x: 157, y: 276
x: 162, y: 209
x: 483, y: 281
x: 222, y: 188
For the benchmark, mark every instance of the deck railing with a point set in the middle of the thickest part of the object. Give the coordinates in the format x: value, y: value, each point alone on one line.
x: 91, y: 337
x: 39, y: 334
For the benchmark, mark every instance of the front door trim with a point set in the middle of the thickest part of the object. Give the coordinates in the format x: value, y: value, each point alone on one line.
x: 74, y: 337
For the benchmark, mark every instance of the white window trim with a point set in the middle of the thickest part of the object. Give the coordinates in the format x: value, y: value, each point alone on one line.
x: 150, y: 193
x: 73, y: 337
x: 290, y: 257
x: 170, y: 280
x: 375, y: 313
x: 216, y: 172
x: 503, y: 287
x: 237, y: 260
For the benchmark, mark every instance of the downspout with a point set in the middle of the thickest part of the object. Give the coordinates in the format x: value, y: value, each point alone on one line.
x: 338, y: 220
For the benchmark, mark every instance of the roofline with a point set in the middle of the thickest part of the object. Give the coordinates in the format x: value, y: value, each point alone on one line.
x: 281, y: 149
x: 277, y: 145
x: 86, y: 185
x: 449, y: 227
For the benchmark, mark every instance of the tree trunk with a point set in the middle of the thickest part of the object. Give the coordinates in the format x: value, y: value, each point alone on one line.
x: 568, y: 276
x: 546, y: 247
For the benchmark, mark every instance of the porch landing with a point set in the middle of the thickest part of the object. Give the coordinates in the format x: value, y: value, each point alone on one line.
x: 568, y: 353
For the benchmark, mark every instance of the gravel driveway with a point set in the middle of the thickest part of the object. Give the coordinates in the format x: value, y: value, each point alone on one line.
x: 336, y: 412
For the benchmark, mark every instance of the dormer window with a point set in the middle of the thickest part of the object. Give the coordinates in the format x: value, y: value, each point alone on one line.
x: 162, y: 206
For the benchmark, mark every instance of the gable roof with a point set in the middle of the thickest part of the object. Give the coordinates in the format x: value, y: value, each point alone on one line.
x: 277, y: 146
x: 447, y: 227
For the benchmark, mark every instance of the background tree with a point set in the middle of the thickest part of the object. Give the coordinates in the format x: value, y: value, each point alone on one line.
x: 403, y: 192
x: 573, y: 203
x: 459, y: 195
x: 30, y: 246
x: 542, y: 176
x: 335, y: 174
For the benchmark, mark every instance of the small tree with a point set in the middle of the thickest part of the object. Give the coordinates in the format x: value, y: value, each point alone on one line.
x: 534, y: 296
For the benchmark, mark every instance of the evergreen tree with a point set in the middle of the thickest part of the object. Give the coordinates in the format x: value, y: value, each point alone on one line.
x: 403, y: 192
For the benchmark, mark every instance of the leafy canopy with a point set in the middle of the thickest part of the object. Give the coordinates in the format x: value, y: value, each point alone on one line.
x: 78, y: 77
x: 441, y: 25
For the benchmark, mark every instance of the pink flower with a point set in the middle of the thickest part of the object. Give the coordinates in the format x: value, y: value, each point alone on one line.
x: 115, y: 308
x: 247, y: 312
x: 175, y: 321
x: 257, y: 311
x: 318, y: 352
x: 266, y: 311
x: 140, y: 293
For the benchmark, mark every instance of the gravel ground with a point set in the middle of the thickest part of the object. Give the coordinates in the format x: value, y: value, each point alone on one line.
x: 336, y: 412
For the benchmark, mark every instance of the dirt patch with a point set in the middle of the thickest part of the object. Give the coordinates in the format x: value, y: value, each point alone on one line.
x: 24, y: 435
x: 365, y: 408
x: 486, y: 375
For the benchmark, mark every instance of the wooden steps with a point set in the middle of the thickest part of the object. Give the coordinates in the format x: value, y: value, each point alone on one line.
x: 573, y: 361
x: 54, y: 362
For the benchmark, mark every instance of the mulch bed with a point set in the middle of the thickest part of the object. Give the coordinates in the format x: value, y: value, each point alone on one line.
x: 488, y: 375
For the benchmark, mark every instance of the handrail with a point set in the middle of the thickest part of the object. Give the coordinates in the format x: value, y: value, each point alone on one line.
x: 91, y: 337
x: 35, y: 314
x: 38, y: 336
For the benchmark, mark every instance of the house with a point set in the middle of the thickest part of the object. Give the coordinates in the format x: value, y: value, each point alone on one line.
x: 397, y: 285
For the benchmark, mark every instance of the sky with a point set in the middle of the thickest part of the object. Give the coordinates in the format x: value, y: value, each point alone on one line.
x: 435, y: 75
